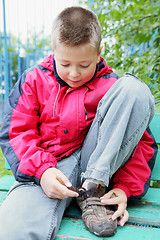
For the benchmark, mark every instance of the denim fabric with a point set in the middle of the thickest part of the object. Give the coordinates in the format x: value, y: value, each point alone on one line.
x: 122, y: 116
x: 28, y: 214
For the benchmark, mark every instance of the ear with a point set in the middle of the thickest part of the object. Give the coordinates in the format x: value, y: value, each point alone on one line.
x: 99, y: 53
x: 52, y: 47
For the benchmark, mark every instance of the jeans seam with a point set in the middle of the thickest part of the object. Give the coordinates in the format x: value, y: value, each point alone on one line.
x: 19, y: 185
x: 77, y: 165
x: 58, y: 203
x: 52, y: 220
x: 99, y: 122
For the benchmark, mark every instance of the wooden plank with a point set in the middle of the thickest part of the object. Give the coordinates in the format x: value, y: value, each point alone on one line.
x: 152, y: 196
x: 6, y: 182
x: 155, y: 127
x: 147, y: 210
x: 3, y: 196
x: 75, y: 229
x: 7, y: 165
x: 144, y: 213
x: 156, y: 170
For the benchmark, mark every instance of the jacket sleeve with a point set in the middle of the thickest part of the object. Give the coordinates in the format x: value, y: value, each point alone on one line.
x: 19, y: 138
x: 134, y: 177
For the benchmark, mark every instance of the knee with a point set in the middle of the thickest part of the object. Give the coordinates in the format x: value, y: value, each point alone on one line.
x: 136, y: 89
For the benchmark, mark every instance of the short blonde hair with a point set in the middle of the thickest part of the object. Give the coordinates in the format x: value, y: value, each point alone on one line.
x: 75, y: 26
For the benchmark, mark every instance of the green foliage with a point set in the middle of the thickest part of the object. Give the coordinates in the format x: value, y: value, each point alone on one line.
x: 131, y: 38
x: 3, y: 171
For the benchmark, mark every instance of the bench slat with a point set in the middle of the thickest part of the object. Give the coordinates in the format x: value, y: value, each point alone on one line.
x: 145, y: 214
x: 156, y: 170
x: 3, y: 196
x: 155, y: 127
x: 75, y: 229
x: 140, y: 213
x: 152, y: 196
x: 6, y: 182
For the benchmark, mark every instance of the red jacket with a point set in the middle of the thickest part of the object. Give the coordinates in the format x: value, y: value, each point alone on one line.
x: 46, y: 120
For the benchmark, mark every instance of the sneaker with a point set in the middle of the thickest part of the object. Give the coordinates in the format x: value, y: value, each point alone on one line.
x: 96, y: 216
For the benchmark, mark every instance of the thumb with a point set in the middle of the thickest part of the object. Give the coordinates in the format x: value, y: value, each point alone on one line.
x: 63, y: 179
x: 108, y: 195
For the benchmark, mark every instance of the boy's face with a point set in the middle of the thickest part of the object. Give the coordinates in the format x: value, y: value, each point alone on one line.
x: 76, y: 65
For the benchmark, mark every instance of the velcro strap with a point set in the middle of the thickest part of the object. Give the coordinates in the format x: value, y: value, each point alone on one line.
x: 93, y: 201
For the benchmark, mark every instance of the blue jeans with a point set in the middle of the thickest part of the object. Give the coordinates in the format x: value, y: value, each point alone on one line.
x: 122, y: 116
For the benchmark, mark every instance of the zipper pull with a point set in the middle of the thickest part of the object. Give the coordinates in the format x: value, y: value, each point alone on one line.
x: 86, y: 113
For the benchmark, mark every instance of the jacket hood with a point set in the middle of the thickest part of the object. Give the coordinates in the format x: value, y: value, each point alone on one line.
x: 101, y: 69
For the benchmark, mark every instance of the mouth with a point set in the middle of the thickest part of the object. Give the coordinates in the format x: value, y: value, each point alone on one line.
x: 73, y: 81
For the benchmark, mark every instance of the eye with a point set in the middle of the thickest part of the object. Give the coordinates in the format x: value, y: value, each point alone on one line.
x: 65, y: 65
x: 84, y: 66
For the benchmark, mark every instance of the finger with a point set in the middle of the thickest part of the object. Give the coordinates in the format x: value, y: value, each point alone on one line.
x: 107, y: 195
x: 64, y: 192
x: 124, y: 218
x: 111, y: 201
x: 63, y: 179
x: 120, y: 211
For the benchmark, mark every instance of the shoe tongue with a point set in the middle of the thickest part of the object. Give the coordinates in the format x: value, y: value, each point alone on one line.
x: 91, y: 185
x: 90, y: 190
x: 96, y: 190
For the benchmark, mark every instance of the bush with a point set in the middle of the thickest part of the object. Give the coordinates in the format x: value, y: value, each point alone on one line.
x: 131, y: 38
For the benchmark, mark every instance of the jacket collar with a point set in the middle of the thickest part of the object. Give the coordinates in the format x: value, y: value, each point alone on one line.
x: 61, y: 82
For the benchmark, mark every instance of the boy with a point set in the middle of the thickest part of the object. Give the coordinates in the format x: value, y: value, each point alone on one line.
x: 71, y: 120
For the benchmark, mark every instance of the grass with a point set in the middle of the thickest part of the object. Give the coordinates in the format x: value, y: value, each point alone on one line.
x: 3, y: 170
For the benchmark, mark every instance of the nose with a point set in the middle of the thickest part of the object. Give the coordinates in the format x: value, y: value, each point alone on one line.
x: 74, y: 72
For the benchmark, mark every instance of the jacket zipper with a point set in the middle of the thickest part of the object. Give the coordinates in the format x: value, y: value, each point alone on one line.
x: 86, y: 113
x: 54, y: 107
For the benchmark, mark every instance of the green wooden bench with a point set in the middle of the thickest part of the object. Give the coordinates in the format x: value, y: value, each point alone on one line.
x: 144, y: 220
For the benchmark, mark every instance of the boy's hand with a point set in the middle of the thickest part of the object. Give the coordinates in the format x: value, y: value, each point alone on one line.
x: 55, y: 184
x: 121, y: 201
